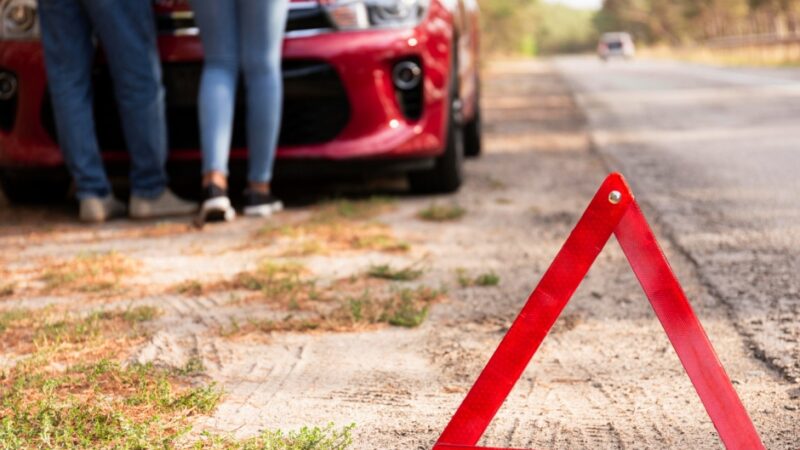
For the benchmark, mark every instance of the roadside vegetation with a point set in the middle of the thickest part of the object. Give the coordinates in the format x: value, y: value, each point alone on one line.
x: 731, y: 32
x: 436, y: 212
x: 306, y: 438
x: 483, y: 279
x: 97, y: 405
x: 298, y: 301
x: 337, y: 226
x: 69, y: 389
x: 387, y: 272
x: 88, y: 273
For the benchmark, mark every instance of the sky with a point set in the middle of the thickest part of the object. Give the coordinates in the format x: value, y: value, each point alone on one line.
x: 586, y: 4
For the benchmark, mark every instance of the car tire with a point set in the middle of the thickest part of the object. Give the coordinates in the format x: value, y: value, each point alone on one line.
x: 473, y: 140
x: 35, y: 187
x: 447, y: 173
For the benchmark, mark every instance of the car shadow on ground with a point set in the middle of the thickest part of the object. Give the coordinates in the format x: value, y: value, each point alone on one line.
x: 22, y: 219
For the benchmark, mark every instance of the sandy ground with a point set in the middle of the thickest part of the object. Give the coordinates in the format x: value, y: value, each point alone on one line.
x: 606, y: 376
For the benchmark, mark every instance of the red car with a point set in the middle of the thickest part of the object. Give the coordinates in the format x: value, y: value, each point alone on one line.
x: 369, y: 85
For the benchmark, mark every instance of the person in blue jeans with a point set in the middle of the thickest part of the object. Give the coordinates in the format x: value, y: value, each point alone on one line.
x: 244, y: 35
x: 126, y: 31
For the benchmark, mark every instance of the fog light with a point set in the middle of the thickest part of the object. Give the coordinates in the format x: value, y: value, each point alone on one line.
x: 8, y: 86
x: 407, y: 75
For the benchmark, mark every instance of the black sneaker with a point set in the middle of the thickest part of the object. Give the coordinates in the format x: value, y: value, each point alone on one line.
x: 216, y: 205
x: 260, y: 204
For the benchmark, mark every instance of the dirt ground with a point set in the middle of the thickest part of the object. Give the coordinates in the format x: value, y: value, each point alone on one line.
x: 605, y: 377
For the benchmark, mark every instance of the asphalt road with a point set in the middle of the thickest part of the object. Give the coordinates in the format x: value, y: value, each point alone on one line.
x: 714, y: 153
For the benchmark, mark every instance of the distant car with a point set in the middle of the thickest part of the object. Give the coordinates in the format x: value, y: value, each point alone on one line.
x: 369, y: 85
x: 615, y: 45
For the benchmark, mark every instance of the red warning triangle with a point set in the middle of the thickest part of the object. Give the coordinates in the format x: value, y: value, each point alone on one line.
x: 612, y: 210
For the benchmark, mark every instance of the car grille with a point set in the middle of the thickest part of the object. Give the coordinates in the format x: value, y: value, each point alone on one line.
x: 304, y: 17
x: 315, y: 107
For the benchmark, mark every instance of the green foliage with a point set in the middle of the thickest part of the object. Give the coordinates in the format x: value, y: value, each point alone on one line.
x: 484, y: 279
x: 442, y: 213
x: 306, y: 438
x: 97, y: 405
x: 562, y: 29
x: 685, y: 21
x: 531, y: 27
x: 387, y: 272
x: 10, y: 316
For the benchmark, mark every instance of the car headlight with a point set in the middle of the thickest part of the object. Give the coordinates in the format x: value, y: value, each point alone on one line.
x: 19, y: 19
x: 364, y: 14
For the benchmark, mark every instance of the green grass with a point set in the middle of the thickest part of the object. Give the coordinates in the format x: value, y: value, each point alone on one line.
x: 484, y: 279
x: 189, y: 287
x: 280, y: 283
x: 442, y: 213
x: 194, y: 366
x: 9, y: 317
x: 72, y: 330
x: 351, y: 210
x: 306, y: 438
x: 88, y: 272
x: 387, y: 272
x: 336, y: 226
x: 140, y: 314
x: 97, y: 405
x: 410, y: 307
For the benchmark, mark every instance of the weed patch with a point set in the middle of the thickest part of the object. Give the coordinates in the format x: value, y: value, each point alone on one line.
x: 336, y: 226
x: 192, y: 288
x: 387, y: 272
x: 25, y: 331
x: 442, y: 213
x: 484, y: 279
x: 306, y: 438
x: 90, y: 272
x: 97, y: 405
x: 348, y: 311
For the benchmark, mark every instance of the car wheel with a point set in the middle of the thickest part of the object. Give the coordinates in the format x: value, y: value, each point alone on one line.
x: 447, y: 173
x: 472, y: 133
x: 29, y: 187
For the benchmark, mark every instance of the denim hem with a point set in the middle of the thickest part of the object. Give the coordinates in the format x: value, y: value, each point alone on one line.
x: 99, y: 193
x: 149, y: 194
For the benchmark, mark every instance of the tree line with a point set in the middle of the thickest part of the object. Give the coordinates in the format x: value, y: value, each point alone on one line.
x: 680, y: 22
x: 532, y: 27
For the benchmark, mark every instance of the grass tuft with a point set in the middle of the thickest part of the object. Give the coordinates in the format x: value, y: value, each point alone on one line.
x: 140, y: 314
x: 442, y: 213
x: 89, y: 272
x: 306, y: 438
x: 10, y: 317
x: 191, y: 288
x: 339, y: 225
x: 484, y: 279
x: 98, y: 405
x: 387, y: 272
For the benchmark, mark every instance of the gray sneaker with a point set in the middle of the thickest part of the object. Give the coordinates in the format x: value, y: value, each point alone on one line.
x: 166, y: 204
x: 100, y: 209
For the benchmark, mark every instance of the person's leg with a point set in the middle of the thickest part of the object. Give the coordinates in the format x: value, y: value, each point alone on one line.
x: 218, y: 23
x: 261, y: 40
x: 69, y: 54
x: 128, y: 36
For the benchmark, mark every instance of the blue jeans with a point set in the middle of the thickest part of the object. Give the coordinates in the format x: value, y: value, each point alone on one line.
x: 246, y: 34
x: 126, y: 30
